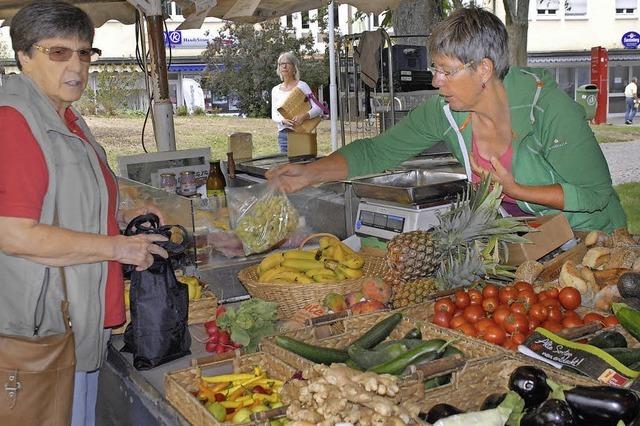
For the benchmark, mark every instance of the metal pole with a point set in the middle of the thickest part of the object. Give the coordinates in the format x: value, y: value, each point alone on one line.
x: 333, y: 93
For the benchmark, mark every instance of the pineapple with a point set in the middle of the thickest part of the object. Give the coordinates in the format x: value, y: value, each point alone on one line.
x: 413, y: 292
x: 462, y: 248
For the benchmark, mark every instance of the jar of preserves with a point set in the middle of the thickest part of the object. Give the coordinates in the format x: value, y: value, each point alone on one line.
x: 187, y: 183
x: 168, y: 182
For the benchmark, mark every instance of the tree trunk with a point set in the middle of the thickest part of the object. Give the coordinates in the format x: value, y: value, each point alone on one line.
x: 416, y: 17
x: 517, y: 22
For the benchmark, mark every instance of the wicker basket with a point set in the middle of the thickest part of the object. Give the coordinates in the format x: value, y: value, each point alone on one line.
x: 293, y: 297
x: 200, y: 310
x: 341, y: 333
x: 473, y: 383
x: 179, y: 385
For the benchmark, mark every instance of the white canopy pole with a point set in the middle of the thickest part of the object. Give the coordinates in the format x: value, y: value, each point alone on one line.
x: 333, y: 93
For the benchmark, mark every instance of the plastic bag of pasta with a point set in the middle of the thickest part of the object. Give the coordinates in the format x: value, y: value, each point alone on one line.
x: 261, y: 216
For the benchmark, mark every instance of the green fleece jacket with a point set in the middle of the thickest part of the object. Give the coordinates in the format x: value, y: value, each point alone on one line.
x: 553, y: 144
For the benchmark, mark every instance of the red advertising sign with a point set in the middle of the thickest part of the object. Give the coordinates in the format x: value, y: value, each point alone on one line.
x: 600, y: 77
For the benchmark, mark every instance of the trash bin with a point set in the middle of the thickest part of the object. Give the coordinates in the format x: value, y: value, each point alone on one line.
x: 587, y: 96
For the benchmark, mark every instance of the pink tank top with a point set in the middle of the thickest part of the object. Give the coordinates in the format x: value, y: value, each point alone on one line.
x: 508, y: 203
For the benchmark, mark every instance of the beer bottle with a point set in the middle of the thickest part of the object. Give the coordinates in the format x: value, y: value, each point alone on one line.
x: 215, y: 184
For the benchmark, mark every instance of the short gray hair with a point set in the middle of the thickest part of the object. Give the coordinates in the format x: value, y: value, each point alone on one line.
x: 291, y: 58
x: 472, y: 34
x: 40, y: 20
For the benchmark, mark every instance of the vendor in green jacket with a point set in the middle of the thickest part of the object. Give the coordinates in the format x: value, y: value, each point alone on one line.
x: 508, y: 121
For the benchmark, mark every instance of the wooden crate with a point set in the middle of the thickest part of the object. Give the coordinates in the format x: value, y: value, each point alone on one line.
x: 179, y: 385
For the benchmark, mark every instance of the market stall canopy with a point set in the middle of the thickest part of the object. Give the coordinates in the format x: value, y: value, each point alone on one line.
x: 194, y: 11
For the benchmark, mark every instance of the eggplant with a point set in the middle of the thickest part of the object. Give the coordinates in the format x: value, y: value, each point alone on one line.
x: 603, y: 405
x: 531, y: 384
x: 492, y: 401
x: 439, y: 411
x: 552, y: 412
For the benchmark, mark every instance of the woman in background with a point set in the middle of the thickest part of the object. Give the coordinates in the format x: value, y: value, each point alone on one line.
x: 289, y: 72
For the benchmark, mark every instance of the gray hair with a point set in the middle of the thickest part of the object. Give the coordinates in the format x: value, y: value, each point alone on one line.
x: 634, y: 79
x: 291, y: 58
x: 40, y: 20
x: 472, y: 34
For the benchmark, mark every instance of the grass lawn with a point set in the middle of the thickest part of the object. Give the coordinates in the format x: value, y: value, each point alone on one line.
x: 630, y: 197
x: 615, y: 133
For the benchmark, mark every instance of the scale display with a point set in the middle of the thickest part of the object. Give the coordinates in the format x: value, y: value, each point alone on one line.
x: 382, y: 221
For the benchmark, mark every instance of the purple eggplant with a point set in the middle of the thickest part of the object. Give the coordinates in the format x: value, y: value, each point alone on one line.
x: 552, y: 412
x: 603, y: 405
x: 531, y: 384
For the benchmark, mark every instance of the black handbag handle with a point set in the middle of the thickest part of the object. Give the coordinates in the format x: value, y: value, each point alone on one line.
x: 150, y: 224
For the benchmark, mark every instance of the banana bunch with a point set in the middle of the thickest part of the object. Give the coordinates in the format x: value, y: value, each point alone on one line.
x: 194, y: 285
x: 333, y: 261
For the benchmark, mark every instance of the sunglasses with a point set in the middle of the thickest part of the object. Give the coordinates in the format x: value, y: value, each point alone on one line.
x: 63, y: 54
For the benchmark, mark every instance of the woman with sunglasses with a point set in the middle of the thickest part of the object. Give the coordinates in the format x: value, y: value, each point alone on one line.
x: 58, y: 198
x: 289, y: 72
x: 511, y: 122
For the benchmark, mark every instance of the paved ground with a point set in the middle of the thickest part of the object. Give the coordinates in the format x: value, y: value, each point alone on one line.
x: 624, y: 161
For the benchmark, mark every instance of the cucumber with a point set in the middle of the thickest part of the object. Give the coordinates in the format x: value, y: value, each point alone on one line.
x: 428, y: 350
x: 317, y: 354
x: 367, y: 359
x: 628, y: 318
x: 352, y: 364
x: 608, y: 339
x: 409, y: 343
x: 450, y: 351
x: 414, y: 333
x: 626, y: 356
x: 378, y: 332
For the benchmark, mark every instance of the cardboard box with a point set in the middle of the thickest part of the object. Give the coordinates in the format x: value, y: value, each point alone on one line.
x: 552, y: 231
x: 241, y: 145
x: 303, y: 145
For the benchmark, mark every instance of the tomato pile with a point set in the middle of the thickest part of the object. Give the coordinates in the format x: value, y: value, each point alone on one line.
x: 506, y: 316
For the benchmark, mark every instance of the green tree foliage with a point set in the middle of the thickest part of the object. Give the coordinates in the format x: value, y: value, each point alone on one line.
x: 110, y: 94
x: 243, y: 58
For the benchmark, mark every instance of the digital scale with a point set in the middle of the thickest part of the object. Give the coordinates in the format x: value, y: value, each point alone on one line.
x: 399, y: 202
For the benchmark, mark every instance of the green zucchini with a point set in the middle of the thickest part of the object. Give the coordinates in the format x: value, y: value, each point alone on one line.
x: 608, y: 339
x: 450, y: 351
x: 352, y: 364
x: 414, y: 333
x: 427, y: 351
x: 626, y: 356
x: 628, y: 318
x: 317, y: 354
x: 378, y: 332
x: 367, y: 359
x: 409, y: 343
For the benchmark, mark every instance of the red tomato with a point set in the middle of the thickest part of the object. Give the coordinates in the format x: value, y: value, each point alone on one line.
x: 519, y: 337
x: 483, y: 323
x: 475, y: 296
x: 494, y: 334
x: 473, y: 313
x: 528, y: 297
x: 571, y: 314
x: 570, y: 322
x: 457, y: 321
x: 543, y: 295
x: 522, y: 286
x: 500, y: 314
x: 443, y: 319
x: 489, y: 304
x: 490, y: 290
x: 552, y: 326
x: 444, y: 305
x: 510, y: 344
x: 553, y: 292
x: 507, y: 295
x: 539, y: 312
x: 461, y: 299
x: 518, y: 308
x: 468, y: 329
x: 532, y: 325
x: 570, y: 298
x: 555, y: 314
x: 514, y: 323
x: 610, y: 321
x: 593, y: 317
x: 550, y: 302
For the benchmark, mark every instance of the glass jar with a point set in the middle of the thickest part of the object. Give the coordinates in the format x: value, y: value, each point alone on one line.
x: 187, y: 183
x: 168, y: 182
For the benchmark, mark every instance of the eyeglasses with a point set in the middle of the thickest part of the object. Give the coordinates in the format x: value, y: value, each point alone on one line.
x: 63, y: 54
x: 285, y: 64
x: 448, y: 75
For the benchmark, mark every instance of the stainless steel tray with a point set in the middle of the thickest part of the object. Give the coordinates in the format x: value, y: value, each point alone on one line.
x: 410, y: 187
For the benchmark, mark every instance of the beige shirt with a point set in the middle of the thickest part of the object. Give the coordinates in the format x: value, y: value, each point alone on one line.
x: 631, y: 91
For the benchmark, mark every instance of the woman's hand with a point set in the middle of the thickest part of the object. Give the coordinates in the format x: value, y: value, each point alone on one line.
x: 299, y: 119
x: 287, y: 123
x: 138, y: 250
x: 289, y: 177
x: 499, y: 174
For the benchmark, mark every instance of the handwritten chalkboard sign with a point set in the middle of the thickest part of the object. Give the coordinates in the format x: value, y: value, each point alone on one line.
x: 588, y: 360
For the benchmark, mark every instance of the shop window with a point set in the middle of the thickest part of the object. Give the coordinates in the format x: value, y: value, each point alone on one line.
x: 618, y: 78
x: 575, y: 8
x: 626, y: 7
x: 548, y: 7
x: 305, y: 20
x: 583, y: 75
x: 566, y: 80
x: 376, y: 20
x: 289, y: 21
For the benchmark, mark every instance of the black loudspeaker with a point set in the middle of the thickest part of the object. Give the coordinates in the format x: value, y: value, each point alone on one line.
x: 409, y: 68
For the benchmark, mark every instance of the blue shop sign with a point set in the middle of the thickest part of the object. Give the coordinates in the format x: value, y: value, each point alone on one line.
x: 631, y: 40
